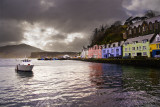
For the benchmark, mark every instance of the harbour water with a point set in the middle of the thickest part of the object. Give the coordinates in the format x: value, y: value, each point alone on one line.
x: 78, y: 84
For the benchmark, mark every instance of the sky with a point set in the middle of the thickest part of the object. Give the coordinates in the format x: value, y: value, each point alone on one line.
x: 63, y: 25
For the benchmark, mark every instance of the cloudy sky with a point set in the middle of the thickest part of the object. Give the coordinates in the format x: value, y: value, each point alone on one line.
x: 62, y: 25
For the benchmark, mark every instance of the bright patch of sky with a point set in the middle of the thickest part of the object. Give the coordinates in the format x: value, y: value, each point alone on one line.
x: 39, y: 36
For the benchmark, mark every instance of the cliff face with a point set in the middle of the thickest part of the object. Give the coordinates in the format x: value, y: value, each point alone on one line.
x: 17, y: 51
x: 52, y: 54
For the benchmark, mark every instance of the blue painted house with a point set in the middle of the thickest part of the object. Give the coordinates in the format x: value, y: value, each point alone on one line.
x: 112, y: 50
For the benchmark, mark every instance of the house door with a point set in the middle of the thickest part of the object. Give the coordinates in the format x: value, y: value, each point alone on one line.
x: 139, y: 54
x: 157, y: 52
x: 129, y: 54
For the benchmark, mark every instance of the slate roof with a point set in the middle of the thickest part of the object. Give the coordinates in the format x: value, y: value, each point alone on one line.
x: 116, y: 44
x: 147, y: 20
x: 139, y: 39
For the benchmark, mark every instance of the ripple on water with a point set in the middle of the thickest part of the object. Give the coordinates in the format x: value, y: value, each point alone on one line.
x: 76, y: 83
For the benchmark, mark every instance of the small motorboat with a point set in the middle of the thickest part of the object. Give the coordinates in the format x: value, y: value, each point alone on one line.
x: 25, y: 65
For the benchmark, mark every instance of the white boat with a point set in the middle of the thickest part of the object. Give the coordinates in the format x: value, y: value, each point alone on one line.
x: 25, y: 65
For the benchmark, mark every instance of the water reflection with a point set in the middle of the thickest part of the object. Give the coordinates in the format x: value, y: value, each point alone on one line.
x: 106, y: 75
x: 68, y: 84
x: 154, y: 77
x: 23, y: 74
x: 142, y: 79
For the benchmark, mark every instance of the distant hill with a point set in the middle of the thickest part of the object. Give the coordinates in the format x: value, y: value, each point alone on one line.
x: 52, y: 54
x: 17, y: 51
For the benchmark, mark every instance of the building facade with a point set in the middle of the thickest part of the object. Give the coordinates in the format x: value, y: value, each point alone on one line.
x: 155, y: 46
x: 95, y: 52
x: 112, y: 50
x: 138, y: 46
x: 84, y: 53
x: 141, y: 28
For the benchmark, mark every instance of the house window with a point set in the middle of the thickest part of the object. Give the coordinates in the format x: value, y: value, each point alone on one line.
x: 126, y: 54
x: 119, y: 43
x: 104, y: 51
x: 109, y: 46
x: 144, y: 29
x: 151, y: 28
x: 117, y: 51
x: 105, y: 46
x: 112, y: 51
x: 133, y: 54
x: 133, y: 48
x: 135, y: 42
x: 125, y: 49
x: 144, y: 48
x: 107, y: 51
x: 144, y: 41
x: 135, y: 31
x: 159, y: 45
x: 144, y: 53
x: 126, y: 44
x: 113, y: 45
x: 156, y: 25
x: 139, y: 47
x: 130, y: 31
x: 139, y: 29
x: 129, y: 49
x: 157, y: 38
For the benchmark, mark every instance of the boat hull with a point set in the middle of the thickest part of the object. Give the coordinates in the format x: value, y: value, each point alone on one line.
x: 24, y: 67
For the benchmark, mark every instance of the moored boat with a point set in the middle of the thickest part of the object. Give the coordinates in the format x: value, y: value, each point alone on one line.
x: 25, y: 65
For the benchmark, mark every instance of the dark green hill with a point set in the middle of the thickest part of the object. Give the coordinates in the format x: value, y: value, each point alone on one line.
x: 109, y: 35
x: 17, y: 51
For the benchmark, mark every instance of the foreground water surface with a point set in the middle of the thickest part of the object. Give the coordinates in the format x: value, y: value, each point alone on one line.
x: 78, y: 84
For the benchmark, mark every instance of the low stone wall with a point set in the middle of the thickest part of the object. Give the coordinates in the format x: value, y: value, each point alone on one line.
x: 134, y: 62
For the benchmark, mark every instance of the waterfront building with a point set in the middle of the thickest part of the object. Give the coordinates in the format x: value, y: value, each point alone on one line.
x: 95, y: 51
x: 138, y: 46
x: 84, y: 53
x: 155, y: 46
x: 141, y: 28
x: 112, y: 50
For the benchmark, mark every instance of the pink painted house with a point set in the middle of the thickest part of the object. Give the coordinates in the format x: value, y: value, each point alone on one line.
x: 95, y: 52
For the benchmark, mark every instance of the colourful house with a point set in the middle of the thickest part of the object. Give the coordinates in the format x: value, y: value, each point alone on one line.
x: 95, y: 52
x: 84, y: 53
x: 112, y: 50
x: 138, y: 46
x: 155, y: 46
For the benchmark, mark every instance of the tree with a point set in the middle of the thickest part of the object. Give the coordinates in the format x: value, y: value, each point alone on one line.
x: 129, y: 21
x: 117, y: 23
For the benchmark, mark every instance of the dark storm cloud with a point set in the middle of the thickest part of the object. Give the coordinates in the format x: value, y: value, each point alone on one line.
x: 66, y: 16
x: 10, y: 32
x: 81, y: 15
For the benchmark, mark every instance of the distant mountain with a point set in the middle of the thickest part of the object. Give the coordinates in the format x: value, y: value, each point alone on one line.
x: 52, y: 54
x: 17, y: 51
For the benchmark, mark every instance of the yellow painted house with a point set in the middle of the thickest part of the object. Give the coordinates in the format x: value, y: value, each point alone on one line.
x: 155, y: 46
x: 138, y: 46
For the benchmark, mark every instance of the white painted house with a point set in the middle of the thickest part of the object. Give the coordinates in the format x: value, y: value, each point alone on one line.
x: 84, y: 53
